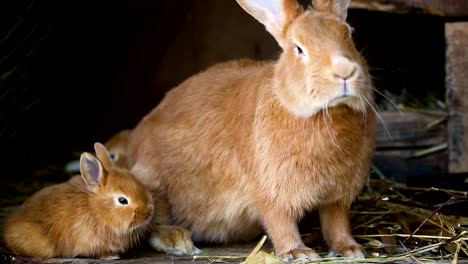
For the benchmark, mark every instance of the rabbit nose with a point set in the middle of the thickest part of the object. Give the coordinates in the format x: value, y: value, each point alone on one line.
x: 343, y: 68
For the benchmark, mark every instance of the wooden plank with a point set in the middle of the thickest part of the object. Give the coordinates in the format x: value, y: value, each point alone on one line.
x: 233, y: 253
x: 452, y: 8
x: 135, y: 258
x: 143, y: 254
x: 410, y: 130
x: 401, y: 166
x: 457, y: 94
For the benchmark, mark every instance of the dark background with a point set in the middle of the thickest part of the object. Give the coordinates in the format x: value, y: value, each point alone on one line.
x: 76, y: 72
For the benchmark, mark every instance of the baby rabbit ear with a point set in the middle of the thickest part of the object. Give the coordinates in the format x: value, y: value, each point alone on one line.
x: 336, y: 7
x: 276, y: 15
x: 92, y: 171
x: 103, y: 155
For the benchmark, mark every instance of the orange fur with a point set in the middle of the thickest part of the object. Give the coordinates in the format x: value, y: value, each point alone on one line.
x: 117, y: 146
x: 80, y: 217
x: 247, y: 145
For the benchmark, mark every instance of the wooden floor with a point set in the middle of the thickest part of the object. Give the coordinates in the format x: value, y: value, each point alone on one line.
x: 142, y: 257
x: 211, y: 254
x: 236, y: 253
x: 148, y: 257
x: 232, y: 253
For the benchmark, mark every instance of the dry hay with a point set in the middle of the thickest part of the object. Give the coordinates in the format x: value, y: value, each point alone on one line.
x: 392, y: 228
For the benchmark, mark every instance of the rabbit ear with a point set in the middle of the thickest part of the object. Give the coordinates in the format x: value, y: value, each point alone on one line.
x: 276, y: 15
x: 92, y: 171
x: 336, y: 7
x: 103, y: 155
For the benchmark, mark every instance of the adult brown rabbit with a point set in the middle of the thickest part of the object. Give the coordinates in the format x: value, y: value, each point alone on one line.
x: 247, y: 145
x: 99, y: 214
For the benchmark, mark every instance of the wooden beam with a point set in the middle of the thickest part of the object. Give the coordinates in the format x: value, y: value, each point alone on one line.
x: 410, y: 130
x: 457, y: 94
x: 452, y: 8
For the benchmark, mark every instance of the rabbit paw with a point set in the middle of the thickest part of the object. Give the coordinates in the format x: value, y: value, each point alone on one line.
x: 303, y: 253
x: 350, y: 250
x: 174, y: 240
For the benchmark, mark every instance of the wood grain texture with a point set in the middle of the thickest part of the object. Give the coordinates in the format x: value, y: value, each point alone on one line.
x: 453, y: 8
x: 457, y: 94
x: 410, y: 130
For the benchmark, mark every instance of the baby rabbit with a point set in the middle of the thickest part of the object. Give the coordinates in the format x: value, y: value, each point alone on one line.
x: 99, y: 214
x: 249, y: 145
x: 117, y: 146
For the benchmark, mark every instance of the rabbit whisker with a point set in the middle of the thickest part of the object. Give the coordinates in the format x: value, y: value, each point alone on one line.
x: 364, y: 108
x: 371, y: 103
x: 329, y: 126
x: 390, y: 100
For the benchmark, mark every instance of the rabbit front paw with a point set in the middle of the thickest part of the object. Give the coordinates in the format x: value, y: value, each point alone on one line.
x: 173, y: 240
x: 350, y: 250
x: 303, y: 253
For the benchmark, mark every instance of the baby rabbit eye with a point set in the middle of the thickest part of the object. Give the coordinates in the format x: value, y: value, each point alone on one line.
x: 113, y: 156
x: 122, y: 200
x: 299, y: 50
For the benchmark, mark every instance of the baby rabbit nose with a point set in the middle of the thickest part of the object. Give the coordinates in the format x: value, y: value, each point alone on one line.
x: 343, y: 68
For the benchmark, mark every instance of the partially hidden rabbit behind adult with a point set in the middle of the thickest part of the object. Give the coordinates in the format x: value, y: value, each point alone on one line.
x: 247, y: 146
x: 116, y: 146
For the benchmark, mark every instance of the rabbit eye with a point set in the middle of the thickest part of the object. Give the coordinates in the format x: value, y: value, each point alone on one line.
x: 299, y: 50
x: 113, y: 156
x: 122, y: 200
